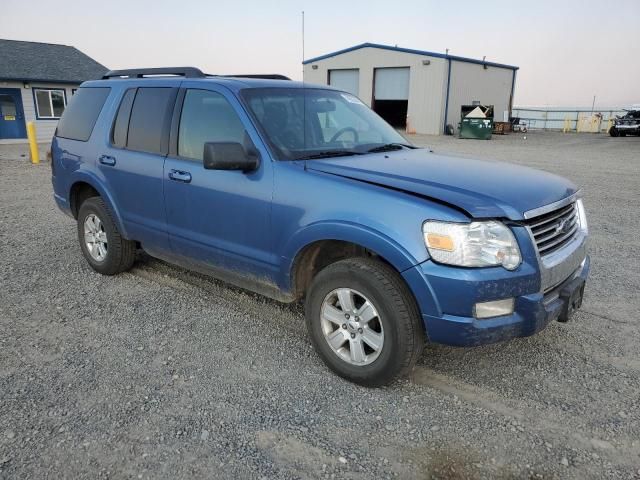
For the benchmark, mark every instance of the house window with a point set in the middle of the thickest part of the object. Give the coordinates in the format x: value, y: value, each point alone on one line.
x: 50, y: 103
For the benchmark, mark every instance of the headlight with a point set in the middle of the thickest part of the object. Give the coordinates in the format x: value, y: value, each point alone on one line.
x: 582, y: 216
x: 475, y: 244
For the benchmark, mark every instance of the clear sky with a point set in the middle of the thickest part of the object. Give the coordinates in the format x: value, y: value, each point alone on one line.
x: 567, y: 51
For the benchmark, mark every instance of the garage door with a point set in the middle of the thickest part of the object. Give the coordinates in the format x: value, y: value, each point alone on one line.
x: 391, y: 84
x: 347, y: 80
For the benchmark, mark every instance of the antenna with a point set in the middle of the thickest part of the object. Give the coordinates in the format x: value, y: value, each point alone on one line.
x: 304, y: 99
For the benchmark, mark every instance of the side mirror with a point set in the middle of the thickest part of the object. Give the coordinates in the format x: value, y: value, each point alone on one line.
x: 229, y: 156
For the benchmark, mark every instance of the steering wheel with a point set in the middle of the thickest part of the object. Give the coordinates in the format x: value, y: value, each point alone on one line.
x: 344, y: 130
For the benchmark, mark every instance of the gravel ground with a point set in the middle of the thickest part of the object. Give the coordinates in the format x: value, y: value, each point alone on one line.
x: 162, y: 373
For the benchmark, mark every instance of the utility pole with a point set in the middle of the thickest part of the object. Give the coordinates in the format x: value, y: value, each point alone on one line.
x: 593, y: 104
x: 303, y: 45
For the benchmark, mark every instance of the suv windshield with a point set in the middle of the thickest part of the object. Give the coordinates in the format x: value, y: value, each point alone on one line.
x: 304, y: 123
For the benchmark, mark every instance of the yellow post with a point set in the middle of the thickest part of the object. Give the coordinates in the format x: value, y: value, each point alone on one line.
x: 33, y: 144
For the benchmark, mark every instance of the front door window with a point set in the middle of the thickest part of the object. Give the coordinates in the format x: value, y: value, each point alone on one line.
x: 206, y: 117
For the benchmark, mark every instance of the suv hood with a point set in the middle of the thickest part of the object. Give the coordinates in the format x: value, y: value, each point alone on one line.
x: 482, y: 188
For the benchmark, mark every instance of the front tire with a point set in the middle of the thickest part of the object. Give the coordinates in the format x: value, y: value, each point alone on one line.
x: 103, y: 247
x: 364, y: 322
x: 613, y: 131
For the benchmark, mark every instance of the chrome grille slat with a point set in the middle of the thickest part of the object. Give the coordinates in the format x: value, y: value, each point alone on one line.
x: 553, y: 234
x: 553, y: 230
x: 552, y: 221
x: 557, y: 241
x: 544, y: 230
x: 538, y: 221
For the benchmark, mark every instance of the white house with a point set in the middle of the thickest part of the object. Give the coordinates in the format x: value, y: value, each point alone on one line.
x: 422, y: 91
x: 36, y: 81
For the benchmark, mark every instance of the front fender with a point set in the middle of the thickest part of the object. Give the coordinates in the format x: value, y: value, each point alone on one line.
x: 399, y: 257
x: 90, y: 178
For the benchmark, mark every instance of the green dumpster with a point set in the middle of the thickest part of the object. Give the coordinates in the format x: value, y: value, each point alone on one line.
x: 476, y: 121
x: 478, y: 128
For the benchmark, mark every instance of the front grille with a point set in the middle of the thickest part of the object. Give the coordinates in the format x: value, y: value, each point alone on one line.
x: 554, y: 230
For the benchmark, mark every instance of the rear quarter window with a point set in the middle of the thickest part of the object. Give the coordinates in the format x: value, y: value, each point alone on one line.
x: 81, y: 114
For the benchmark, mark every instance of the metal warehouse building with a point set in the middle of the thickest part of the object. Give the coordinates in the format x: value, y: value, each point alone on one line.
x: 422, y: 91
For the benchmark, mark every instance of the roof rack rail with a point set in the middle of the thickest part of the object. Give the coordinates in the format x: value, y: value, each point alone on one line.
x: 266, y: 76
x: 187, y: 72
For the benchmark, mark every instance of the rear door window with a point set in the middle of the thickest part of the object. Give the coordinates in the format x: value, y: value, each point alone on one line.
x: 81, y: 114
x: 206, y: 117
x: 121, y: 123
x: 149, y: 119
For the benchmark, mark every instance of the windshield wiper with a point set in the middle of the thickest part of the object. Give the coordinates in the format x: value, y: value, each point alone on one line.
x: 388, y: 147
x: 330, y: 153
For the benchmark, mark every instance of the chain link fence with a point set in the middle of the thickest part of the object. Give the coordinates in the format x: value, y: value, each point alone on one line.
x: 580, y: 120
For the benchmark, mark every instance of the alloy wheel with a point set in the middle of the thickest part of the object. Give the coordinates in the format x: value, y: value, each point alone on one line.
x: 351, y: 326
x: 95, y: 237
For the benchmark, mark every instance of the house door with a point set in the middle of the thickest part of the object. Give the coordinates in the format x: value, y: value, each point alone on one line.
x: 11, y: 114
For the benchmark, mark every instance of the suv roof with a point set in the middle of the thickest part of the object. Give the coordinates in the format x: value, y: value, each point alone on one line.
x: 188, y: 72
x: 194, y: 74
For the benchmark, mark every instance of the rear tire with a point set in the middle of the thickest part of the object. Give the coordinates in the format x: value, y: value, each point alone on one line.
x: 392, y: 324
x: 613, y: 131
x: 103, y: 247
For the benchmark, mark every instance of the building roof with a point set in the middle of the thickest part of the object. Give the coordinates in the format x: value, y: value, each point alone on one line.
x: 409, y: 50
x: 46, y: 62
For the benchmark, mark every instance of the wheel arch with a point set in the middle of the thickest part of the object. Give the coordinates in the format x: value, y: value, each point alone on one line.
x: 79, y: 192
x: 85, y: 186
x: 320, y: 245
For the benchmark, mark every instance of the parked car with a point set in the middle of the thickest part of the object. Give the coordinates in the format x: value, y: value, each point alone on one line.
x: 627, y: 124
x: 302, y: 192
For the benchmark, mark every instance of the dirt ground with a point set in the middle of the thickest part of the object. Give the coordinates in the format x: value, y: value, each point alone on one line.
x: 163, y: 373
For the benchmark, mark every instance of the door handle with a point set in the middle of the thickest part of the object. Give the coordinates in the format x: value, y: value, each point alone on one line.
x: 180, y: 176
x: 107, y: 160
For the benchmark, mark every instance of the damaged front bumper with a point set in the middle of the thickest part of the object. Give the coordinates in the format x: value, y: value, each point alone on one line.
x: 447, y: 296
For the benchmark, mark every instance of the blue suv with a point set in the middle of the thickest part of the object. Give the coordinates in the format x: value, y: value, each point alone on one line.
x: 299, y: 191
